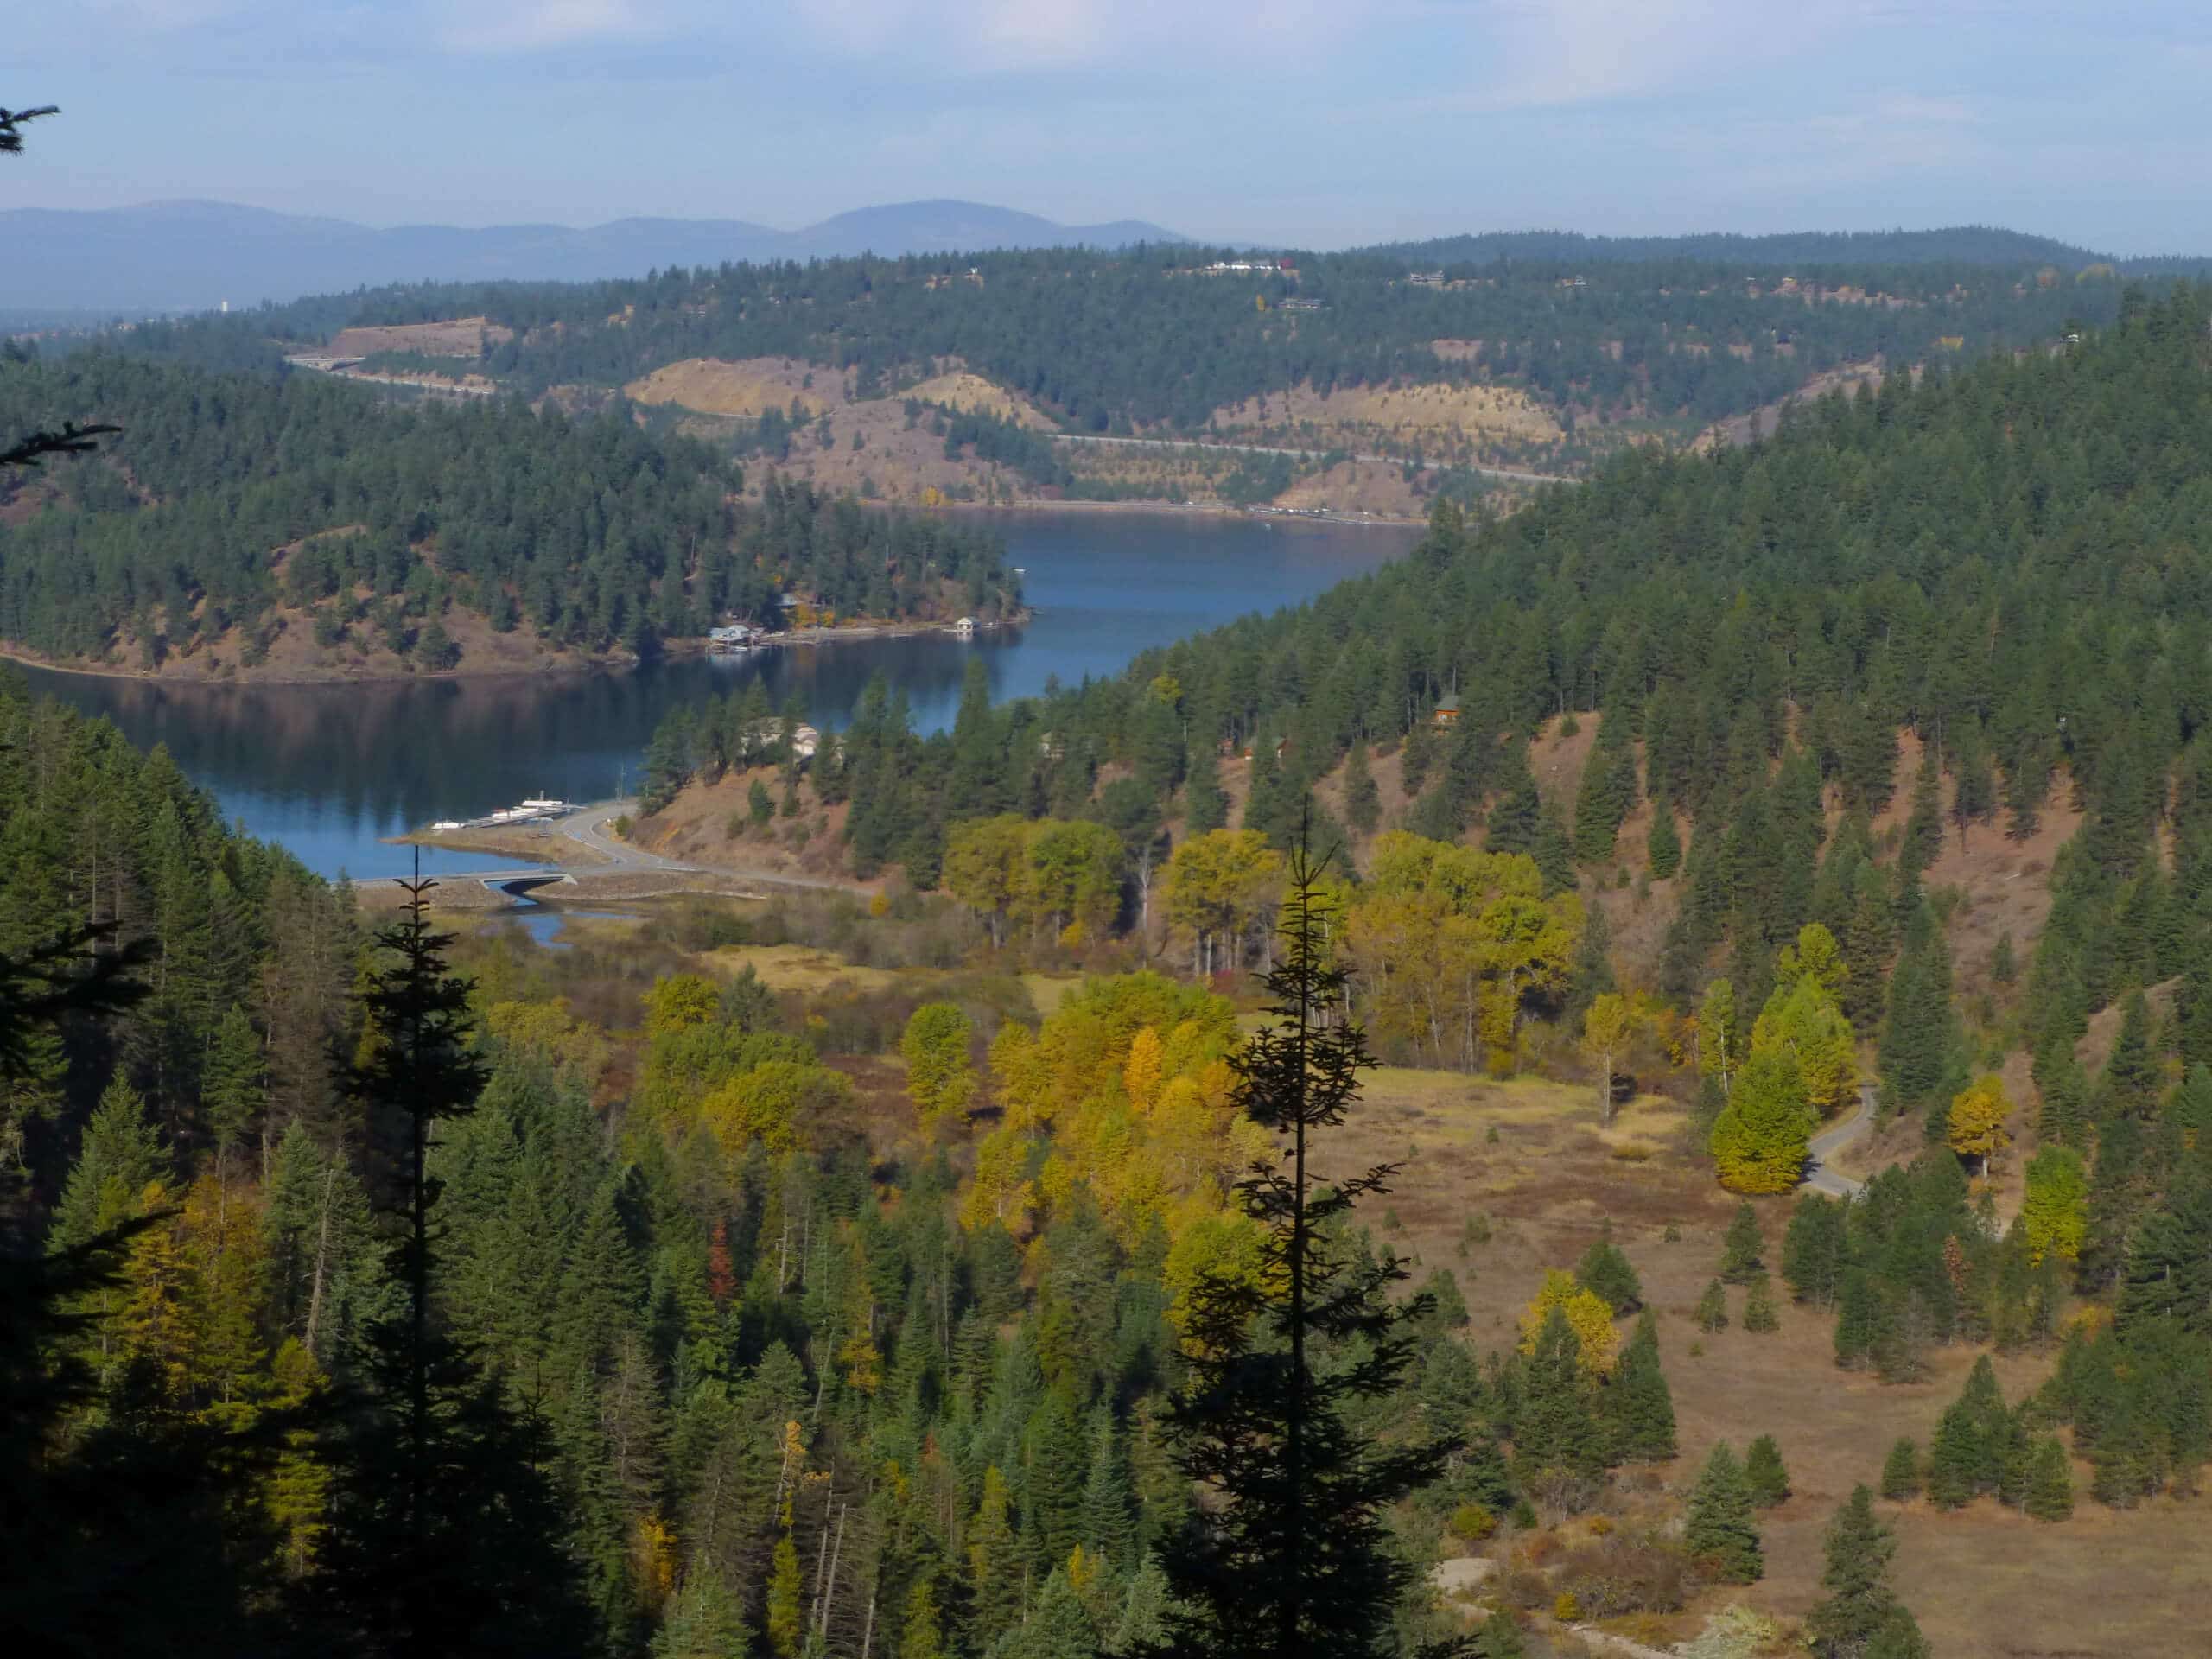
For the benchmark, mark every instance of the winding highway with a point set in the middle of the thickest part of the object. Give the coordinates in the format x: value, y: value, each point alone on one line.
x: 1829, y: 1142
x: 1297, y: 455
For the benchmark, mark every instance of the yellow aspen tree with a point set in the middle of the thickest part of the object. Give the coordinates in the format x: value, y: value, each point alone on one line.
x: 1587, y: 1315
x: 1141, y: 1074
x: 1977, y: 1121
x: 1607, y: 1027
x: 2055, y: 1212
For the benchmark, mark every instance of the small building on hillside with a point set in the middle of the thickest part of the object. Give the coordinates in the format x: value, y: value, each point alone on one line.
x: 1446, y: 712
x: 965, y: 627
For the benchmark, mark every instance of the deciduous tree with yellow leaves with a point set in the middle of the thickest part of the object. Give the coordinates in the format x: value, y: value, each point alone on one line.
x: 1587, y: 1314
x: 1759, y: 1140
x: 1452, y: 946
x: 1977, y: 1121
x: 940, y: 1077
x: 1607, y: 1026
x: 2055, y: 1212
x: 1219, y: 886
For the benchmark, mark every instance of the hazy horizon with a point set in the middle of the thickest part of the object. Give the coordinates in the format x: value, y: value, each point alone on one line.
x: 1310, y: 124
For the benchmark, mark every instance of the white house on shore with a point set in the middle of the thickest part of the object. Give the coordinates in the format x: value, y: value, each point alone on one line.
x: 965, y: 627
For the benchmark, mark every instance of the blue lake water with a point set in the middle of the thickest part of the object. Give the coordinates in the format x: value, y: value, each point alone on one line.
x: 329, y: 770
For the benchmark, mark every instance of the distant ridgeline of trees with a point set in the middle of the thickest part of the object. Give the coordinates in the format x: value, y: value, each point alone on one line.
x: 226, y: 496
x: 1106, y: 341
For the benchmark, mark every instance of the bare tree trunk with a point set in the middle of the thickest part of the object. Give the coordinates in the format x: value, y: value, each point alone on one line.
x: 322, y: 1258
x: 829, y: 1589
x: 821, y: 1564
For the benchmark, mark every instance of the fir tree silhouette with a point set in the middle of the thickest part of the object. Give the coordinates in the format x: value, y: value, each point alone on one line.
x: 1292, y: 1558
x: 444, y: 1535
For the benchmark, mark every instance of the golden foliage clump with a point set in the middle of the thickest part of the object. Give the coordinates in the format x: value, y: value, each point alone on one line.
x: 1587, y: 1315
x: 550, y: 1029
x: 1125, y: 1093
x: 1977, y: 1122
x: 1450, y: 943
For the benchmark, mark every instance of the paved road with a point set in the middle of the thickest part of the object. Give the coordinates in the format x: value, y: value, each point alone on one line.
x: 1829, y: 1142
x: 1298, y: 454
x: 590, y: 826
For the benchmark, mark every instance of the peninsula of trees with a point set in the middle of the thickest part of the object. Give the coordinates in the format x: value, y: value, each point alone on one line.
x: 235, y: 510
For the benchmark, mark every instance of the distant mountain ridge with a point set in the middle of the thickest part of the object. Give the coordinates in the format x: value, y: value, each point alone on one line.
x: 193, y: 255
x: 1970, y: 244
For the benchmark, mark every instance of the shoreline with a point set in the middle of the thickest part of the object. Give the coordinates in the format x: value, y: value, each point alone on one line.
x: 678, y: 650
x: 1194, y: 509
x: 253, y: 677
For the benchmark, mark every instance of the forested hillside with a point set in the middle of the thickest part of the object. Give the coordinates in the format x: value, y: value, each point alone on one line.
x: 1149, y: 338
x: 233, y: 510
x: 2006, y: 566
x: 382, y: 1308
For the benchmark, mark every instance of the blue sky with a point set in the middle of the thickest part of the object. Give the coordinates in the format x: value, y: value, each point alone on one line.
x: 1313, y: 124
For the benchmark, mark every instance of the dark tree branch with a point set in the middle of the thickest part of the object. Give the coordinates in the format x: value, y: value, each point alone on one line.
x: 11, y: 140
x: 71, y: 440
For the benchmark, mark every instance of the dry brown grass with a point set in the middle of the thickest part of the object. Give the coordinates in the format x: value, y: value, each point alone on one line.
x: 1986, y: 1583
x: 963, y: 390
x: 749, y: 389
x: 459, y: 337
x: 1353, y: 416
x: 1357, y: 486
x: 694, y: 828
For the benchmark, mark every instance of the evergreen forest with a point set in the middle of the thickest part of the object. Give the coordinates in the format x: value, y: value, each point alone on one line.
x: 1153, y: 338
x: 237, y: 506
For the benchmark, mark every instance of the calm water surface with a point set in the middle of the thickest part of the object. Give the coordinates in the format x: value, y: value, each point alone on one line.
x: 329, y: 770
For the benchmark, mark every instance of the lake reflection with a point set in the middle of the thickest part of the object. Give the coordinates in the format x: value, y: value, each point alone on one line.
x: 329, y: 769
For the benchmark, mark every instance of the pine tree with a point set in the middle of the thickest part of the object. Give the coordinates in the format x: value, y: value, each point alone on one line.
x: 120, y: 1154
x: 233, y: 1085
x: 1742, y: 1247
x: 1556, y: 1438
x: 1363, y: 802
x: 1052, y: 1510
x: 1719, y: 1532
x: 1663, y: 846
x: 1858, y: 1319
x: 1515, y: 816
x: 921, y: 1633
x: 1294, y: 1557
x: 1554, y: 852
x: 445, y: 1528
x: 1901, y: 1472
x: 1204, y: 806
x: 2051, y: 1481
x: 994, y: 1573
x: 1861, y: 1616
x: 1109, y: 1508
x: 785, y: 1611
x: 1713, y: 1308
x: 1646, y: 1422
x: 1604, y: 1269
x: 1813, y: 1251
x: 1059, y: 1626
x: 704, y: 1620
x: 1763, y: 1473
x: 1760, y: 1314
